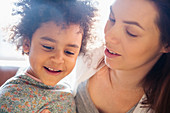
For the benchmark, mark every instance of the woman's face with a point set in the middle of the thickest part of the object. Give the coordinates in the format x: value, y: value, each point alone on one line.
x: 132, y: 36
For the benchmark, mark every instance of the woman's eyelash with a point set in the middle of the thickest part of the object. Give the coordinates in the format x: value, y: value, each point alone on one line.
x: 70, y: 53
x: 112, y: 20
x: 48, y: 47
x: 131, y: 34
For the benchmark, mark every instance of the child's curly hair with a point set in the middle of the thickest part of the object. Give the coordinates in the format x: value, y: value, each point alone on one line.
x: 36, y: 12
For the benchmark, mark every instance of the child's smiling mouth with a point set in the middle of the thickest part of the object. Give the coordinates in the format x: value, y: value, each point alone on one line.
x: 52, y: 70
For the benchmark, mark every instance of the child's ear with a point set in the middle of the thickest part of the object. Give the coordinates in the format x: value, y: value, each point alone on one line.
x: 166, y: 49
x: 26, y: 46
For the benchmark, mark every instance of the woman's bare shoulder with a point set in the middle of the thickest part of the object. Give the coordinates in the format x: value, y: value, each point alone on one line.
x: 102, y: 73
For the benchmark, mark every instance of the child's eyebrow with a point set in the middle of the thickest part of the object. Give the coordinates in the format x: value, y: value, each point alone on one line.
x: 73, y: 45
x: 52, y: 40
x: 48, y: 39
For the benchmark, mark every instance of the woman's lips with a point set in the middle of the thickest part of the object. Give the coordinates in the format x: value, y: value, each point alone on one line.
x: 111, y: 54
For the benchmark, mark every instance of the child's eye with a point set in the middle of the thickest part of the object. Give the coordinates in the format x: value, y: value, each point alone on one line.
x: 48, y: 47
x: 68, y: 52
x: 130, y: 34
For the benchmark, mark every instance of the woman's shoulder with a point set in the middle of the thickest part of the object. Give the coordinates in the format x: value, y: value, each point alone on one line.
x: 100, y: 74
x: 83, y: 101
x: 86, y: 65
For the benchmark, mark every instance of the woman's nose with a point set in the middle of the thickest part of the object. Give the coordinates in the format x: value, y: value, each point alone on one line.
x: 112, y: 33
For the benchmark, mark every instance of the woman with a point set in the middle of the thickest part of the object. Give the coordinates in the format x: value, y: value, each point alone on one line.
x: 135, y: 77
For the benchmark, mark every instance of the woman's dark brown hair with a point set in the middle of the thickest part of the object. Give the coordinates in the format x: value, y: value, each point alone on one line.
x: 157, y: 82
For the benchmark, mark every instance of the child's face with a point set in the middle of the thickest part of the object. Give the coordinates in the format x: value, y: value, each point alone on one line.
x: 53, y: 51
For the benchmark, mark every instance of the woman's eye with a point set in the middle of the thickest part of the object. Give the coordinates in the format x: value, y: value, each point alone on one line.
x: 130, y: 34
x: 112, y: 20
x: 48, y: 47
x: 68, y: 52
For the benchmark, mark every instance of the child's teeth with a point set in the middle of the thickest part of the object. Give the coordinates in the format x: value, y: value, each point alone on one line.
x: 51, y: 69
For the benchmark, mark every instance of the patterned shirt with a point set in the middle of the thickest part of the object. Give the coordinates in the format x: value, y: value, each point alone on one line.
x: 24, y: 94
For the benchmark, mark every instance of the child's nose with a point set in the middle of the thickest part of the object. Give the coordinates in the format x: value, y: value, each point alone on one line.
x: 58, y: 57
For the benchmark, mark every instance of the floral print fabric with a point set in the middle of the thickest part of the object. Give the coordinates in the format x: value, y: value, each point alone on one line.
x: 22, y: 94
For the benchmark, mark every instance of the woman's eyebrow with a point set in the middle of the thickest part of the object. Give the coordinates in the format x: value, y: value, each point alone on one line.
x: 133, y: 23
x: 128, y: 22
x: 111, y: 11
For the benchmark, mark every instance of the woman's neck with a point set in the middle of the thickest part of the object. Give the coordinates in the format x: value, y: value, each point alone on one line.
x: 132, y: 78
x: 126, y: 79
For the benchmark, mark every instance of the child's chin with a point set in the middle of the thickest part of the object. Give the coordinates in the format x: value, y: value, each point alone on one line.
x: 50, y: 83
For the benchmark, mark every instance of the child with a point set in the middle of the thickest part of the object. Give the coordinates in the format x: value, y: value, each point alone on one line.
x: 52, y: 34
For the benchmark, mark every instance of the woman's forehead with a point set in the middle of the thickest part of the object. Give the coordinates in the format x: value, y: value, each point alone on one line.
x: 141, y: 11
